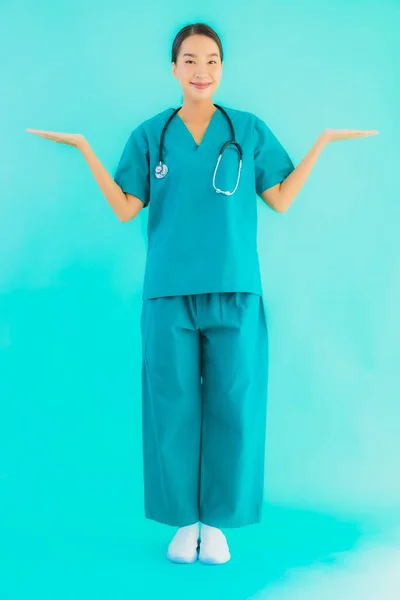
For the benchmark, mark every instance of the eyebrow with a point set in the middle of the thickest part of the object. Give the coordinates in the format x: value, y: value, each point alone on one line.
x: 195, y: 55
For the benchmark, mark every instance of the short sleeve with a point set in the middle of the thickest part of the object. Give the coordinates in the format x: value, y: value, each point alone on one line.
x: 272, y: 162
x: 133, y: 171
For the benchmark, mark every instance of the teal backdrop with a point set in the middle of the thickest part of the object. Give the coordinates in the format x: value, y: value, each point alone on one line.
x: 71, y: 506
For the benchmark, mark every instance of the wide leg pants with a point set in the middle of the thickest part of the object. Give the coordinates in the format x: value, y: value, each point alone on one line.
x: 204, y: 398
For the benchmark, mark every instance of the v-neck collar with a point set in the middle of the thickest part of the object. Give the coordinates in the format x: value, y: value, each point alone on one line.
x: 196, y: 145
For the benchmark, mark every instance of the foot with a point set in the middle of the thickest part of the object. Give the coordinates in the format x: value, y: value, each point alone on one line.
x: 183, y: 547
x: 214, y: 548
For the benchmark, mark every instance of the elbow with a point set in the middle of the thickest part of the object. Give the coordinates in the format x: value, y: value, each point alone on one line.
x: 124, y: 218
x: 282, y: 205
x: 280, y: 208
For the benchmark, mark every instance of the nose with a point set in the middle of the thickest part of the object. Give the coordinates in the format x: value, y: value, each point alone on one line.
x: 201, y: 73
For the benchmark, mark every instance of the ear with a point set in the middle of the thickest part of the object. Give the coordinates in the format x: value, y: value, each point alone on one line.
x: 173, y: 68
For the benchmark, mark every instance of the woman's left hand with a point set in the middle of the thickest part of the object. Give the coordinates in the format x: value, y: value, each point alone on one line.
x: 332, y: 135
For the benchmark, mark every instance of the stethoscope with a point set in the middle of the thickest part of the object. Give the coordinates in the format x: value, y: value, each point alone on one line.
x: 161, y: 169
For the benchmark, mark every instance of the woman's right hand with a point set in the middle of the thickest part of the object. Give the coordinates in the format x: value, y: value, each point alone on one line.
x: 71, y: 139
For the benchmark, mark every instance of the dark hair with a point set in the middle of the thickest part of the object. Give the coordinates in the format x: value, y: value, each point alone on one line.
x: 194, y: 29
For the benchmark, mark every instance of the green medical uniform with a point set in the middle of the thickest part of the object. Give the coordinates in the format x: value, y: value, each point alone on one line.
x: 203, y: 323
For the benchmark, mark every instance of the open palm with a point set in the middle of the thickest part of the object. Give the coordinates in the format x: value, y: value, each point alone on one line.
x: 332, y: 135
x: 71, y: 139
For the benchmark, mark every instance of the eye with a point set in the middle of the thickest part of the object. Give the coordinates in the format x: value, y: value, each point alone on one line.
x: 189, y: 61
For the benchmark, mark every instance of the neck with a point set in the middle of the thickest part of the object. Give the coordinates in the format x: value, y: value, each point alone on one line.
x: 197, y: 111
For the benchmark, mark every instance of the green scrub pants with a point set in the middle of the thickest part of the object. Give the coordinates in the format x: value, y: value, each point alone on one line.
x: 204, y: 398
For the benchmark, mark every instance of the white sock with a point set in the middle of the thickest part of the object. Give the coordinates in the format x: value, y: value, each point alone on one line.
x: 214, y: 548
x: 183, y: 547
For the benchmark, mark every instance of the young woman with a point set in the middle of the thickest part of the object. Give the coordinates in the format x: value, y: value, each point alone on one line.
x: 203, y: 324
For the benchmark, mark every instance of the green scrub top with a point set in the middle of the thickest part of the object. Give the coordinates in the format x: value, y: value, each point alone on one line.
x: 200, y: 241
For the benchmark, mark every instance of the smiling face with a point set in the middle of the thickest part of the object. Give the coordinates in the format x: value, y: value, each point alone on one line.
x: 198, y: 62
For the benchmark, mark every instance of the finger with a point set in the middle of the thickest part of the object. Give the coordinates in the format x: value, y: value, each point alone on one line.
x: 36, y: 132
x: 46, y: 135
x: 363, y: 132
x: 350, y: 134
x: 39, y: 131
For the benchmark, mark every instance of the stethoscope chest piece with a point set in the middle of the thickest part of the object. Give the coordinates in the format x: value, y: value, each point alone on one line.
x: 161, y: 170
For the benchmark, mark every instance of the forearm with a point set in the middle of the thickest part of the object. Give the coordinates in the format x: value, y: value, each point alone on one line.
x: 111, y: 190
x: 293, y: 183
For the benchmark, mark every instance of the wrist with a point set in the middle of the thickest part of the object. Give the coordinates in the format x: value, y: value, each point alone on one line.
x: 82, y: 144
x: 322, y: 140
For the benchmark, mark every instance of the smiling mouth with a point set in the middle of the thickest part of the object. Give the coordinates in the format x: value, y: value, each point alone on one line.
x: 204, y: 85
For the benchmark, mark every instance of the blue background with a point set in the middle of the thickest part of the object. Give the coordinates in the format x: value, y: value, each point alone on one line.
x: 71, y: 507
